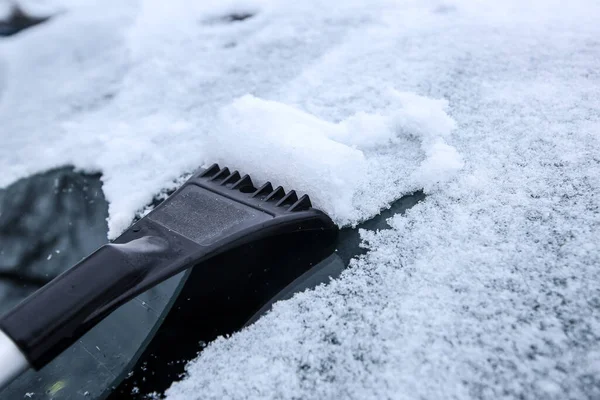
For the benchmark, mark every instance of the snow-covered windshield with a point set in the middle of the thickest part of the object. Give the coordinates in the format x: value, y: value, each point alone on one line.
x: 488, y: 288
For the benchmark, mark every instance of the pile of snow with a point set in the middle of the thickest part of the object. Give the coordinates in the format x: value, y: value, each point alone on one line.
x: 487, y: 289
x: 338, y: 163
x: 127, y: 99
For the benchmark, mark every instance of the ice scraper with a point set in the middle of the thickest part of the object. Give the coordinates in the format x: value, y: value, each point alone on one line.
x: 216, y: 222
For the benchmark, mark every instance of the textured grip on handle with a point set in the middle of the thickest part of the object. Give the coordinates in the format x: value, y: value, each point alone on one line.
x: 58, y: 314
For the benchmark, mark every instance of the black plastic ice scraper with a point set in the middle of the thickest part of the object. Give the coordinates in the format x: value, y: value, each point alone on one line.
x: 216, y: 222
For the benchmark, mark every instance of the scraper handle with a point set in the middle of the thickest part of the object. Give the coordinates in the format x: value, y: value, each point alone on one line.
x: 54, y: 317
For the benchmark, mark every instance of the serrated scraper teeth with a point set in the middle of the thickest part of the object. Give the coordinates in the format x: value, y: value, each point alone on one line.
x: 221, y: 174
x: 210, y: 171
x: 264, y: 189
x: 223, y: 177
x: 288, y: 199
x: 244, y: 181
x: 302, y: 204
x: 233, y: 177
x: 276, y: 194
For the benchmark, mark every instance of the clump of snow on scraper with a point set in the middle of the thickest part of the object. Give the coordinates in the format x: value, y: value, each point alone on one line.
x: 289, y: 147
x: 332, y: 162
